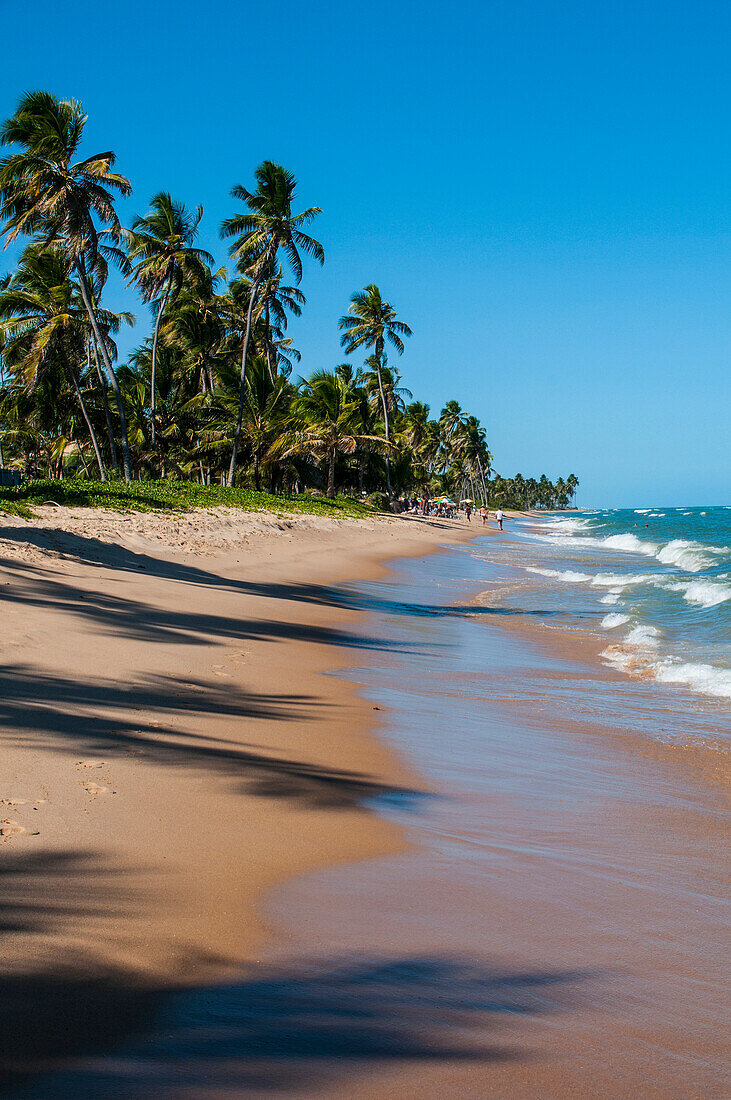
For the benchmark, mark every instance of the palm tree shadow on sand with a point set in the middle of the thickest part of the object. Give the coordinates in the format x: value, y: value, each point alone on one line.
x: 78, y: 1030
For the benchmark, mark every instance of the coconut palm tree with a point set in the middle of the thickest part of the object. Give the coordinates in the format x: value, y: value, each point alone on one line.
x: 371, y: 322
x: 326, y: 422
x: 161, y: 255
x: 276, y: 302
x: 572, y: 484
x: 475, y: 451
x: 70, y: 203
x: 41, y: 328
x: 266, y: 410
x: 263, y: 230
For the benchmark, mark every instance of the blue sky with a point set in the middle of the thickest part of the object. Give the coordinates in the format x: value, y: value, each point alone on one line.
x: 541, y: 189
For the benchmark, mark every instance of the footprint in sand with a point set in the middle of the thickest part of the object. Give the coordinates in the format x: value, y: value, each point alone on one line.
x: 95, y: 788
x: 89, y: 764
x: 34, y: 802
x: 10, y: 828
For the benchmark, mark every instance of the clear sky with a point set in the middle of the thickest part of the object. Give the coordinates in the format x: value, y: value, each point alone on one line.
x: 541, y: 188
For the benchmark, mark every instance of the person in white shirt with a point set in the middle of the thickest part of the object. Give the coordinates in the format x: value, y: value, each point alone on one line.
x: 499, y: 517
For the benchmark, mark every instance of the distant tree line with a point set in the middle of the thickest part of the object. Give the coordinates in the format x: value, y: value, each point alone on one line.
x: 209, y: 394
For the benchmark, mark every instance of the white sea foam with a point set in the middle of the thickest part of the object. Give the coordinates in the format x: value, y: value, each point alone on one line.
x: 619, y: 581
x: 631, y: 544
x: 707, y: 679
x: 688, y: 556
x: 642, y: 511
x: 642, y: 635
x: 691, y: 557
x: 704, y: 593
x: 567, y: 526
x: 697, y: 676
x: 609, y: 622
x: 568, y: 575
x: 611, y: 597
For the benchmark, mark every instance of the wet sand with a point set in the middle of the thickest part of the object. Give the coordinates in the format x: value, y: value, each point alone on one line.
x: 562, y: 927
x: 555, y: 929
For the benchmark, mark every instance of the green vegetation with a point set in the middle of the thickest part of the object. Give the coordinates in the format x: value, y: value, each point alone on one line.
x: 167, y: 496
x: 207, y: 397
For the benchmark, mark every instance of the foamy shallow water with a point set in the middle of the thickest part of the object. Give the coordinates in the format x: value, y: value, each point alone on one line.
x: 674, y: 617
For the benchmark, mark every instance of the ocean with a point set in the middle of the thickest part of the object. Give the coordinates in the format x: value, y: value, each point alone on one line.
x: 653, y: 583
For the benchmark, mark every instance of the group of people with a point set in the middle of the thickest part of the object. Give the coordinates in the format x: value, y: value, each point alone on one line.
x: 447, y: 509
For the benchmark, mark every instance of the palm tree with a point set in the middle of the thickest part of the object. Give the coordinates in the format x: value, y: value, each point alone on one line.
x: 266, y: 410
x: 161, y: 254
x: 572, y: 484
x: 370, y: 322
x: 326, y: 422
x: 44, y: 191
x: 276, y: 300
x: 40, y: 327
x: 4, y: 281
x: 475, y: 450
x: 261, y: 231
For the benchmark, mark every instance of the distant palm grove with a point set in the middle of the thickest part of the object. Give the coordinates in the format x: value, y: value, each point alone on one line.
x: 208, y: 396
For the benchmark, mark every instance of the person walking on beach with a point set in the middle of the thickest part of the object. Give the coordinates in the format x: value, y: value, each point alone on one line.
x: 499, y: 516
x: 468, y: 510
x: 483, y: 515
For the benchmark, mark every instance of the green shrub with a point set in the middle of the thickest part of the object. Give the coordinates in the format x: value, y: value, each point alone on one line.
x: 167, y: 496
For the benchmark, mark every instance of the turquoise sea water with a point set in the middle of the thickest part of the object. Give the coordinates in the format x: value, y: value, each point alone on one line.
x: 654, y: 582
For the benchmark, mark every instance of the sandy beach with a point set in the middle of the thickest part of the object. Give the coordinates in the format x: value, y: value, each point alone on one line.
x: 200, y: 904
x: 171, y: 749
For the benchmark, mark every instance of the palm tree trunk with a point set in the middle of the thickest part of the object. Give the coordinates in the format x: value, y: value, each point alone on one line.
x: 267, y: 338
x: 80, y: 452
x: 2, y: 383
x: 242, y: 389
x: 379, y: 352
x: 331, y: 476
x: 81, y: 272
x: 153, y: 372
x: 90, y: 426
x: 107, y: 410
x: 482, y: 475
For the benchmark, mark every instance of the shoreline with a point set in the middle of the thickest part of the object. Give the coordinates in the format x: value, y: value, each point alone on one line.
x: 556, y: 926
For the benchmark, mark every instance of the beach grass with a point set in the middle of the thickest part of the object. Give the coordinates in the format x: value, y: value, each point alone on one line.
x: 168, y: 496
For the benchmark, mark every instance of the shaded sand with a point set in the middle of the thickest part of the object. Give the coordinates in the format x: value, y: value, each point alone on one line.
x: 170, y: 749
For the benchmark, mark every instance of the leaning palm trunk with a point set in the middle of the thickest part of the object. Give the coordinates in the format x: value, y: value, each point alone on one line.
x: 153, y: 373
x: 331, y: 475
x: 80, y: 453
x: 81, y: 272
x: 89, y: 425
x: 268, y: 339
x: 107, y: 410
x: 482, y: 476
x: 242, y: 389
x: 379, y: 349
x: 2, y: 383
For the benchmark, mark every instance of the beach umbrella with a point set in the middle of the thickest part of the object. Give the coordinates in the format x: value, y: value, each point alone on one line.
x: 467, y: 500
